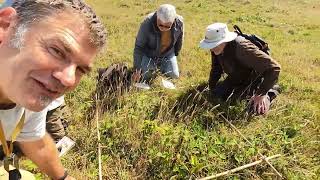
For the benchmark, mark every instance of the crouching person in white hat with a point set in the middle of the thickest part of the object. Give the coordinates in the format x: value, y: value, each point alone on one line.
x: 45, y: 48
x: 251, y: 73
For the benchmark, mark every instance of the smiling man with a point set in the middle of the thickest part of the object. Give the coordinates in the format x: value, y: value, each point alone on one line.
x: 158, y: 43
x: 46, y: 46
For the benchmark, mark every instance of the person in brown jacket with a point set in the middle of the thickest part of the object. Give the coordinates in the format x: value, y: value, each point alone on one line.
x: 251, y: 73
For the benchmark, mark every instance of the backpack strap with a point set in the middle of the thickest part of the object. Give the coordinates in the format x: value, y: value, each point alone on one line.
x: 256, y: 40
x: 237, y: 30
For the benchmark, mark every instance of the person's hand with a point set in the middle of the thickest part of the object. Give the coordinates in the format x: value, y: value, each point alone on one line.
x: 260, y: 104
x: 136, y: 76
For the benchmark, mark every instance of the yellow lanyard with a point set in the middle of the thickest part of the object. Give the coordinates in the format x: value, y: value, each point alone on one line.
x: 8, y: 150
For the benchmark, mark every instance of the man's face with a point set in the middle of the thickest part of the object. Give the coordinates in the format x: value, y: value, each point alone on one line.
x: 164, y: 26
x: 54, y: 56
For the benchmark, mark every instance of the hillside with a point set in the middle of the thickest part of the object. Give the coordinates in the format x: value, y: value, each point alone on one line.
x: 162, y: 134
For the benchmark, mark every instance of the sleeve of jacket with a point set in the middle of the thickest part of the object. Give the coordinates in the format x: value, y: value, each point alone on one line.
x: 215, y: 73
x: 178, y: 45
x: 141, y: 41
x: 262, y: 63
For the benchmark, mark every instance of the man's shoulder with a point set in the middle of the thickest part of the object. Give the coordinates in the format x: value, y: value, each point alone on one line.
x: 56, y: 103
x: 179, y: 22
x: 34, y: 126
x: 31, y: 115
x: 14, y: 114
x: 241, y: 43
x: 149, y: 17
x: 241, y: 40
x: 180, y: 18
x: 11, y: 115
x: 147, y: 21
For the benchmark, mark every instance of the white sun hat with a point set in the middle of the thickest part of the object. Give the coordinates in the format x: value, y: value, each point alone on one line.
x: 217, y: 34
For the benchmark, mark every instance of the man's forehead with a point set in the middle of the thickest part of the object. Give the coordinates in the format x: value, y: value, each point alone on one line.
x: 67, y: 38
x: 70, y: 23
x: 65, y: 29
x: 76, y: 46
x: 68, y: 32
x: 72, y: 41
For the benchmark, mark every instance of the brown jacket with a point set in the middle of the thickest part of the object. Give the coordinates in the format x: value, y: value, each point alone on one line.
x: 243, y: 62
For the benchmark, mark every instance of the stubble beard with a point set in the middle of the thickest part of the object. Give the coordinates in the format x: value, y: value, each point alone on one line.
x: 45, y: 100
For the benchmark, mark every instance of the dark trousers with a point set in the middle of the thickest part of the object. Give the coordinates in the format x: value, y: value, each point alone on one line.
x: 227, y: 90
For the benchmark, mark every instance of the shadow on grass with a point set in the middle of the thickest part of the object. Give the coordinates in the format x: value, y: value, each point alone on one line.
x: 195, y: 103
x: 199, y: 104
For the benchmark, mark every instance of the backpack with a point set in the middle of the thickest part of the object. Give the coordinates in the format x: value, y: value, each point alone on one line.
x: 114, y: 79
x: 256, y: 40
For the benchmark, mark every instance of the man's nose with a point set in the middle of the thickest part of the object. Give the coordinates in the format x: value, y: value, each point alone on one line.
x: 67, y: 75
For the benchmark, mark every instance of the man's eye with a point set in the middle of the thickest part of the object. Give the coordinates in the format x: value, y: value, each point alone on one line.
x: 55, y: 52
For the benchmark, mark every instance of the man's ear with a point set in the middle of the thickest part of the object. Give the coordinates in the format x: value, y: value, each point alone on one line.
x: 7, y: 17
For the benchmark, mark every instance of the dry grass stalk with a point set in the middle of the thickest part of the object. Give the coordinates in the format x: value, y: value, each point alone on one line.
x: 241, y: 167
x: 262, y: 156
x: 98, y: 135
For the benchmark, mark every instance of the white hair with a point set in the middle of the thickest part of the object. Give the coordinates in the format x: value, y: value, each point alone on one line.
x: 30, y: 12
x: 166, y: 13
x: 17, y: 39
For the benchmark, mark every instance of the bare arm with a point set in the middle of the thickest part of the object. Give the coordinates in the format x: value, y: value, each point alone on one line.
x: 44, y: 154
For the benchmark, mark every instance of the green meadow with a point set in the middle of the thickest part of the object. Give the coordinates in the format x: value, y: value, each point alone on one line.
x: 179, y: 134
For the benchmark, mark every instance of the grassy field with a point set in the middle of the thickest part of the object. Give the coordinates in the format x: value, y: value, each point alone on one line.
x: 161, y: 134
